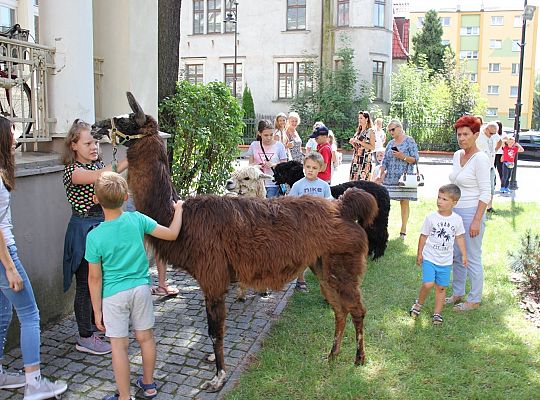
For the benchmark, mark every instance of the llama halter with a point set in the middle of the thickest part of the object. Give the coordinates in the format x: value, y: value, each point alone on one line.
x: 119, y: 138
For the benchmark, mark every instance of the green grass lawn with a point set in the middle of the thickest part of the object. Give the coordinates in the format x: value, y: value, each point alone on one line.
x: 490, y: 353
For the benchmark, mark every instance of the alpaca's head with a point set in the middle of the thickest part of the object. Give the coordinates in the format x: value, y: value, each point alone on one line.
x: 289, y: 172
x: 129, y: 128
x: 248, y: 182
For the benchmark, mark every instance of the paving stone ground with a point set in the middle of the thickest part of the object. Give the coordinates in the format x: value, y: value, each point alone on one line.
x: 182, y: 345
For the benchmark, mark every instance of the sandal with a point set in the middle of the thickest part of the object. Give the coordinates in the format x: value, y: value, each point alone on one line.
x: 165, y: 291
x: 301, y: 287
x: 453, y: 299
x: 437, y: 319
x: 466, y: 306
x: 149, y: 391
x: 402, y: 235
x: 415, y: 309
x: 115, y: 396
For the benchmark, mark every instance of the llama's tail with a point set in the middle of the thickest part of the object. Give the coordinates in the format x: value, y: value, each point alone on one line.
x: 358, y: 205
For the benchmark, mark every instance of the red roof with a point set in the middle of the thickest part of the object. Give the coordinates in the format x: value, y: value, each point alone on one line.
x: 400, y: 40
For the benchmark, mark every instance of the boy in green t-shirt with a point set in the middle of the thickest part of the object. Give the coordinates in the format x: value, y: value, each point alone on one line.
x: 119, y: 280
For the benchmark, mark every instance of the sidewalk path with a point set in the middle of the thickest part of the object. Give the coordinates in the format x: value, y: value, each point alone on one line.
x: 182, y: 345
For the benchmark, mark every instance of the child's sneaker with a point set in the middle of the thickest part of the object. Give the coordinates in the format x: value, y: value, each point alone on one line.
x: 93, y: 345
x: 10, y: 380
x: 437, y: 319
x: 301, y: 287
x: 415, y: 309
x: 45, y: 390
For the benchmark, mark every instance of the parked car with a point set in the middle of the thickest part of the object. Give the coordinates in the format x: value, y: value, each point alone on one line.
x: 530, y: 141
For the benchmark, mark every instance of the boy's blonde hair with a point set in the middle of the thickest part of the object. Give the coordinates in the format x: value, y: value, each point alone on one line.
x: 111, y: 190
x: 316, y: 157
x: 453, y: 190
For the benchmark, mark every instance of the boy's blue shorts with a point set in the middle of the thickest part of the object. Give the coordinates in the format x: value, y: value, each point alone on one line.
x: 440, y: 274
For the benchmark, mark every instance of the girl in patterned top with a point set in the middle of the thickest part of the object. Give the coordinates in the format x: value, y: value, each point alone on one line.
x: 363, y: 143
x: 82, y: 168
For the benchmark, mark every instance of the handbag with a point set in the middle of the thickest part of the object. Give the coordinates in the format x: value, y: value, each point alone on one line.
x: 411, y: 180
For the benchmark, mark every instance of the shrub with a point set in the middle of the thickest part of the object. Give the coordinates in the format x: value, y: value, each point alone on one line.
x: 527, y: 260
x: 247, y: 104
x: 206, y: 124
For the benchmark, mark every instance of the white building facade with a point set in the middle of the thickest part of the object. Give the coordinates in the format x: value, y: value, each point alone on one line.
x: 276, y: 41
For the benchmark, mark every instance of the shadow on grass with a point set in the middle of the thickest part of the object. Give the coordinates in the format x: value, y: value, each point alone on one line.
x: 509, y: 214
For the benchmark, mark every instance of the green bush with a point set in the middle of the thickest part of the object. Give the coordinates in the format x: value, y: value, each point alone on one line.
x: 206, y: 124
x: 527, y: 260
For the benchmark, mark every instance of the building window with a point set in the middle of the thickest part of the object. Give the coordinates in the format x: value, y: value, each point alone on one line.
x: 378, y: 13
x: 198, y: 17
x: 497, y: 20
x: 513, y: 91
x: 378, y: 79
x: 285, y: 80
x: 518, y: 21
x: 468, y: 54
x: 516, y: 45
x: 229, y: 77
x: 420, y: 22
x: 303, y: 77
x: 492, y: 112
x: 473, y: 76
x: 7, y: 17
x: 493, y: 89
x: 445, y: 21
x: 296, y: 15
x: 495, y: 44
x: 470, y: 31
x: 213, y: 13
x: 229, y: 8
x: 343, y: 12
x: 494, y: 67
x: 194, y: 73
x: 515, y: 68
x: 511, y: 113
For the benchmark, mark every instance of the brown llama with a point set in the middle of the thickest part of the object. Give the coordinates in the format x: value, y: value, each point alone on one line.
x: 226, y: 237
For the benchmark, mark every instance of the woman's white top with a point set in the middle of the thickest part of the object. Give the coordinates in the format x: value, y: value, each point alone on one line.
x: 472, y: 179
x: 5, y: 215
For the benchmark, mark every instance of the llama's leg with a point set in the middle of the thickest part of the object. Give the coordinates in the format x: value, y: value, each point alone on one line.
x: 241, y: 293
x: 215, y: 312
x: 358, y: 314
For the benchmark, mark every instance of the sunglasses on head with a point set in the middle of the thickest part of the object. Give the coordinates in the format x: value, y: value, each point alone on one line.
x: 392, y: 129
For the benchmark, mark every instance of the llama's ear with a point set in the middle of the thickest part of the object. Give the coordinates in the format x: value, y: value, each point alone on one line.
x: 140, y: 116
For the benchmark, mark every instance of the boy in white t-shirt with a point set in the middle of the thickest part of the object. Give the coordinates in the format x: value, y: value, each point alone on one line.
x: 311, y: 185
x: 436, y: 250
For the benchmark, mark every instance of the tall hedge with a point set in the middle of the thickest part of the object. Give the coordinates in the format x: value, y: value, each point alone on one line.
x: 206, y: 122
x: 247, y: 104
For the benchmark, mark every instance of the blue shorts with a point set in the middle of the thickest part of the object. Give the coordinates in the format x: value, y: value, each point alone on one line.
x: 440, y: 274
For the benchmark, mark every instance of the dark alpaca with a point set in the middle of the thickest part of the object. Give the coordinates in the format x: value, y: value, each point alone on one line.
x: 293, y: 171
x: 226, y: 237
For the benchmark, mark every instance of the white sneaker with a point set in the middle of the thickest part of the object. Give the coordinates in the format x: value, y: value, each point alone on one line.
x: 45, y: 390
x: 10, y: 380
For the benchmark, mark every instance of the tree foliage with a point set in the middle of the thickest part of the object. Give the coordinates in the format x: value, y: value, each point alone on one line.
x: 335, y: 96
x: 247, y: 104
x: 535, y: 122
x: 206, y: 121
x: 427, y: 43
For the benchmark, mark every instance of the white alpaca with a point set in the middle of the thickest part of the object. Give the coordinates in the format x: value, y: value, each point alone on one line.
x: 248, y: 182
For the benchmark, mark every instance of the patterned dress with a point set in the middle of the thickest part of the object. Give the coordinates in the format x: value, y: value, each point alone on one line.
x: 296, y: 150
x: 79, y: 196
x: 395, y: 167
x: 361, y: 161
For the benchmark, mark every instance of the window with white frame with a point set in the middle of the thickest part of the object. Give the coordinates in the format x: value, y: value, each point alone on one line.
x: 495, y: 44
x: 229, y: 8
x: 492, y: 112
x: 518, y: 21
x: 7, y: 17
x: 293, y: 78
x: 303, y: 77
x: 343, y: 12
x: 516, y: 45
x: 198, y: 17
x: 420, y: 22
x: 194, y: 73
x: 378, y: 79
x: 493, y: 89
x: 511, y: 113
x: 213, y: 16
x: 285, y: 80
x: 473, y: 76
x: 497, y: 20
x: 513, y: 91
x: 468, y: 54
x: 296, y: 15
x: 515, y: 68
x: 470, y: 31
x: 445, y: 21
x: 378, y: 13
x: 229, y: 77
x: 494, y: 67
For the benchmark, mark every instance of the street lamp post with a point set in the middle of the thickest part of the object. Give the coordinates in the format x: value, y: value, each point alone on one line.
x: 232, y: 17
x: 528, y: 14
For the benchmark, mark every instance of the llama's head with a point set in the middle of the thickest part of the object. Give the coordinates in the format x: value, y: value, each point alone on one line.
x: 126, y: 129
x: 248, y: 182
x: 288, y: 172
